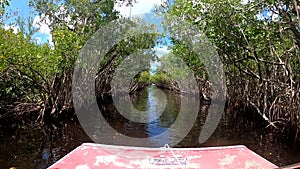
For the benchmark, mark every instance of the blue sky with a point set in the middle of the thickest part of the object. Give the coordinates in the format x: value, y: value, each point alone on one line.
x: 23, y: 8
x: 24, y: 11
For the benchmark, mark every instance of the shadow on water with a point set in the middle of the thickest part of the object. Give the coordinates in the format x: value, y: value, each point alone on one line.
x: 33, y: 146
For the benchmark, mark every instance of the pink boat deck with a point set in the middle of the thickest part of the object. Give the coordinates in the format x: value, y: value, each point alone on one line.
x: 92, y: 156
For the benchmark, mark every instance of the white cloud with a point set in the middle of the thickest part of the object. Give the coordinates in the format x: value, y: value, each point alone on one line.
x: 50, y: 40
x: 42, y: 22
x: 162, y: 50
x: 244, y: 2
x: 141, y: 7
x: 11, y: 27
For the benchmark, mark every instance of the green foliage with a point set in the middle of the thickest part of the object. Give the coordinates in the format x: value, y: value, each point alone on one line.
x: 72, y: 22
x: 24, y: 67
x: 160, y: 77
x: 3, y: 4
x: 243, y: 40
x: 180, y: 53
x: 142, y: 77
x: 42, y: 73
x: 260, y: 52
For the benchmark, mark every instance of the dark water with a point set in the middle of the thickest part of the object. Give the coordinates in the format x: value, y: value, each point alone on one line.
x: 32, y: 146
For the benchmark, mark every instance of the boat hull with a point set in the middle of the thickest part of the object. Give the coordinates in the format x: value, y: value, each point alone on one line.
x: 92, y: 156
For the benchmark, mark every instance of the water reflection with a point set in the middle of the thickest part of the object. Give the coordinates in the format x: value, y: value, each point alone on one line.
x: 163, y: 122
x: 147, y: 99
x: 33, y: 146
x: 168, y: 127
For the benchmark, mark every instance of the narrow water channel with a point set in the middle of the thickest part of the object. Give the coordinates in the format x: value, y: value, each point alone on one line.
x: 35, y: 147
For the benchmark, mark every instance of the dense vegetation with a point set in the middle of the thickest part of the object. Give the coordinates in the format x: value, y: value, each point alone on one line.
x: 258, y: 43
x: 38, y: 78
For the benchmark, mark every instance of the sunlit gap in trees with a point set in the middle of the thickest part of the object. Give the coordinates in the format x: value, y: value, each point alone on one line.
x: 160, y: 52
